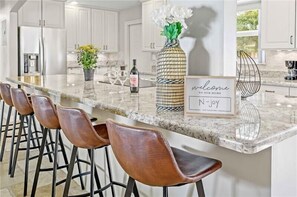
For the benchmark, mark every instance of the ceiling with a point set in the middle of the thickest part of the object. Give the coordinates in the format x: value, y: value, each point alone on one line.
x: 107, y: 4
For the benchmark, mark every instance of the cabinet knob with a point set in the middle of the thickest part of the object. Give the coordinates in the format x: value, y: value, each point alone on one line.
x: 270, y: 91
x: 291, y: 40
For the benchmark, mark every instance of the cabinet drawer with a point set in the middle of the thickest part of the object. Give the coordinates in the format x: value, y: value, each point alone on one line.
x: 275, y: 89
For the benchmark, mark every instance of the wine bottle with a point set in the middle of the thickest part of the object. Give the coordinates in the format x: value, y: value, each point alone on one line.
x: 134, y: 78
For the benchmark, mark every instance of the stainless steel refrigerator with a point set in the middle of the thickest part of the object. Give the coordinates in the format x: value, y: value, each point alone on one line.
x: 42, y: 51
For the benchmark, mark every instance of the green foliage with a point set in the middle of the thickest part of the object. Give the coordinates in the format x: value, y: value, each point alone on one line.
x: 249, y: 45
x: 172, y: 30
x: 247, y: 20
x: 87, y: 56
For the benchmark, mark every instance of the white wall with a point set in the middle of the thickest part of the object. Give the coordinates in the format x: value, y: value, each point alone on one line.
x: 210, y: 39
x: 8, y: 53
x: 124, y: 16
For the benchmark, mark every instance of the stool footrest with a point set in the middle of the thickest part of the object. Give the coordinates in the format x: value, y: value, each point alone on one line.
x: 51, y: 169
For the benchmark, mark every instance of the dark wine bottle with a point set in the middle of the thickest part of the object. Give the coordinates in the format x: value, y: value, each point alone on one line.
x: 134, y: 78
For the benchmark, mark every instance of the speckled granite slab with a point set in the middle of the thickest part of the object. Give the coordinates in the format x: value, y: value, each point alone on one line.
x: 265, y: 119
x: 277, y: 81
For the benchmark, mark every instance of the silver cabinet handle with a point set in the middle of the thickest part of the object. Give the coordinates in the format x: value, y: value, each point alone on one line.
x: 44, y: 23
x: 270, y: 91
x: 39, y: 23
x: 291, y: 39
x: 106, y: 47
x: 153, y: 45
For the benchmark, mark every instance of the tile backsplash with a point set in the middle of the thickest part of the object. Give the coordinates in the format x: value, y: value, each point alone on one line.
x: 275, y: 60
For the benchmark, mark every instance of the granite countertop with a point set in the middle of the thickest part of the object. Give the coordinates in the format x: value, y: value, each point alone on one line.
x: 265, y: 119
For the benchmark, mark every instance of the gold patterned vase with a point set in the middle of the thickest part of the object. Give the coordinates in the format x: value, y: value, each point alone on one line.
x: 171, y: 69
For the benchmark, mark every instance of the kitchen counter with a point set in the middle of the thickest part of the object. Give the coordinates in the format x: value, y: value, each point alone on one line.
x: 264, y: 120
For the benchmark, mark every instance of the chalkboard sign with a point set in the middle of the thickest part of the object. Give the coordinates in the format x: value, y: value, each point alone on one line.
x: 212, y: 96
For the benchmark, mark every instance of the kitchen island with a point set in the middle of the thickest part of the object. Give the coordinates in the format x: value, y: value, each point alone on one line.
x: 251, y: 145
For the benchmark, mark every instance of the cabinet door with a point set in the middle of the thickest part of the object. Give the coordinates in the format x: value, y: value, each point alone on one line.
x: 53, y: 14
x: 111, y: 31
x: 147, y: 26
x: 159, y: 41
x: 83, y: 26
x: 71, y: 27
x: 98, y: 28
x: 30, y: 14
x: 278, y: 24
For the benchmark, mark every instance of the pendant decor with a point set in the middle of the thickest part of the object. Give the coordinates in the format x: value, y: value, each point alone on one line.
x: 171, y: 70
x: 171, y: 61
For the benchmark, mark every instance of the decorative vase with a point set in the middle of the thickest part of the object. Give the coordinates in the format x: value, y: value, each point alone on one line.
x: 89, y: 74
x: 171, y: 70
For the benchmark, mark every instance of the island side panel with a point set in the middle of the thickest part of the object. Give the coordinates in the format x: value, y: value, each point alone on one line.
x: 284, y: 168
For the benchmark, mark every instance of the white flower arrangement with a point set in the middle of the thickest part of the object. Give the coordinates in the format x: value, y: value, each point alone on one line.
x: 171, y: 19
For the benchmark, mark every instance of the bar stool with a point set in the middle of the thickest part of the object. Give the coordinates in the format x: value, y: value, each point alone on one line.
x: 23, y: 106
x: 82, y: 134
x: 6, y: 96
x: 2, y: 115
x: 146, y: 156
x: 45, y: 112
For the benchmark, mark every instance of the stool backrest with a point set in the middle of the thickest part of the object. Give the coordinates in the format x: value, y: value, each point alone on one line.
x: 79, y: 130
x: 144, y: 154
x: 5, y: 93
x: 45, y: 111
x: 21, y: 101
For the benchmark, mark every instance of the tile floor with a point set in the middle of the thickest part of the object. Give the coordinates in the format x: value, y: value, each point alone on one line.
x: 13, y: 187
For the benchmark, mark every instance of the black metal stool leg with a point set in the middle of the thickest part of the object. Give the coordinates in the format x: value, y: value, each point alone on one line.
x: 36, y: 132
x: 1, y: 120
x: 70, y: 171
x: 12, y: 142
x: 79, y: 171
x: 17, y: 147
x: 46, y: 146
x: 5, y: 134
x: 33, y: 142
x: 27, y: 155
x: 37, y: 171
x: 92, y: 173
x: 165, y: 191
x: 200, y: 189
x: 96, y: 176
x: 109, y: 170
x: 55, y: 165
x: 63, y: 150
x: 130, y: 186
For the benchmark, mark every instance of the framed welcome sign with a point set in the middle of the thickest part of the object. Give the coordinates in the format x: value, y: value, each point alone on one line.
x: 211, y: 96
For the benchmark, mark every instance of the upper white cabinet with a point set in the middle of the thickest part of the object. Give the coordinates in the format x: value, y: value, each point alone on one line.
x: 51, y: 15
x: 278, y: 24
x: 105, y: 30
x: 83, y: 26
x: 78, y: 26
x: 151, y: 38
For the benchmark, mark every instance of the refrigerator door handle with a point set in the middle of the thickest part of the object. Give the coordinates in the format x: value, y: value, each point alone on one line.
x: 41, y: 43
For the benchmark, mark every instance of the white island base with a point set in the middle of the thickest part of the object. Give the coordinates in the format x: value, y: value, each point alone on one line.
x: 271, y: 172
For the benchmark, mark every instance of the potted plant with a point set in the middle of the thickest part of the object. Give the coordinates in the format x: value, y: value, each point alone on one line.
x: 87, y: 57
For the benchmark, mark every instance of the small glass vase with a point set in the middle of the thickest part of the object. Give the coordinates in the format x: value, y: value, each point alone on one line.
x: 89, y: 74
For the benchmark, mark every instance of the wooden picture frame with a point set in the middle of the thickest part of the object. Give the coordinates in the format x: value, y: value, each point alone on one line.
x: 210, y: 96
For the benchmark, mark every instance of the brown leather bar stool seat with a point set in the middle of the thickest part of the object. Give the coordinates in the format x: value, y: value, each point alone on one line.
x: 82, y: 134
x: 23, y: 106
x: 45, y: 112
x: 146, y: 156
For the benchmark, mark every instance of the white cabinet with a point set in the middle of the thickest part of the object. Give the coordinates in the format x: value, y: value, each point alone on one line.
x: 278, y: 24
x: 83, y: 26
x: 51, y: 15
x: 151, y: 38
x: 78, y: 26
x: 105, y: 30
x: 54, y: 14
x: 71, y: 27
x: 287, y: 91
